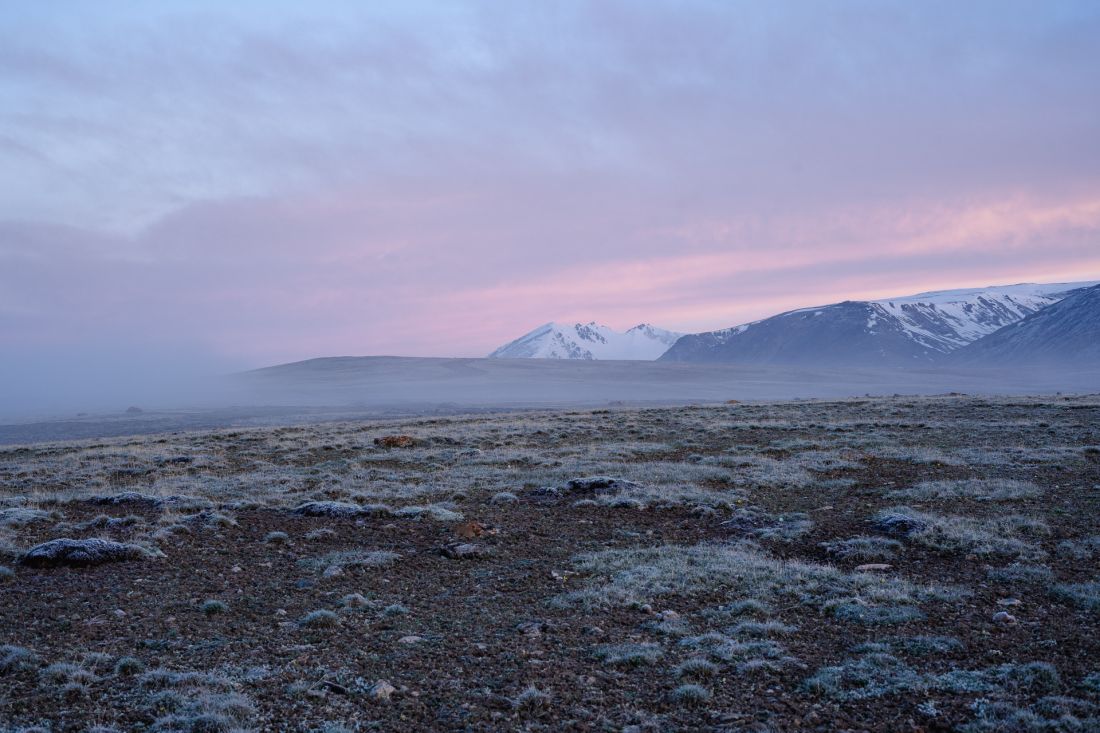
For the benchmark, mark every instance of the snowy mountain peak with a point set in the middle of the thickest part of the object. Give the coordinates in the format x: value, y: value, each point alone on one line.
x: 897, y: 331
x: 588, y: 341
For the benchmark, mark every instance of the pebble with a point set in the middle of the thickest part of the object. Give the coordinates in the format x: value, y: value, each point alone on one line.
x: 381, y: 690
x: 530, y: 628
x: 464, y: 550
x: 1004, y: 617
x: 1009, y: 602
x: 410, y: 639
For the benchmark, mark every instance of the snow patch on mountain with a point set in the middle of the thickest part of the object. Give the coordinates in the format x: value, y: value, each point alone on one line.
x: 896, y: 331
x: 946, y: 320
x: 589, y: 341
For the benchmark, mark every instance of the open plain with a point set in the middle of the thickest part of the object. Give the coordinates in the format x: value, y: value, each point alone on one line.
x: 887, y: 564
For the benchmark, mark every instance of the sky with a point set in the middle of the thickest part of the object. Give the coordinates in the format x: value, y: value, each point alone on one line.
x: 219, y: 185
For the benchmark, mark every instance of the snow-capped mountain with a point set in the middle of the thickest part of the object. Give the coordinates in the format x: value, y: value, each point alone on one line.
x: 1067, y: 332
x: 907, y: 330
x: 588, y: 341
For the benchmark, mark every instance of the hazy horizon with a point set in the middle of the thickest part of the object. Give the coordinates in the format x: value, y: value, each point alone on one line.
x: 188, y: 188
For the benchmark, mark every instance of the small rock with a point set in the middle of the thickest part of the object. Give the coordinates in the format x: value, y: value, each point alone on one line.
x: 395, y: 441
x: 80, y: 553
x: 411, y: 639
x: 471, y: 530
x: 329, y: 509
x: 599, y: 485
x: 1004, y: 617
x: 900, y: 523
x: 668, y: 615
x: 1010, y: 602
x: 530, y: 628
x: 465, y: 551
x: 873, y: 566
x: 381, y: 690
x: 593, y: 630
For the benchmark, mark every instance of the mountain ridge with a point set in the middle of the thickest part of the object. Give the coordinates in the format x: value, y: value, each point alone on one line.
x: 1064, y: 333
x: 899, y: 331
x: 588, y: 341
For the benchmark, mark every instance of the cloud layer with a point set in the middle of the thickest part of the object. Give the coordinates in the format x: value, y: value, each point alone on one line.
x: 279, y: 181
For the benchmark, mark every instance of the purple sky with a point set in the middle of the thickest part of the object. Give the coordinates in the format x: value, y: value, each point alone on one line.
x: 277, y: 182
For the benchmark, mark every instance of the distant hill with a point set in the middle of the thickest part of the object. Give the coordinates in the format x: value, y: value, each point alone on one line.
x: 1065, y: 333
x: 588, y: 341
x: 905, y: 331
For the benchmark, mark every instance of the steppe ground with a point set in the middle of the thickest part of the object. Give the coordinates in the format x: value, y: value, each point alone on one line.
x: 872, y: 564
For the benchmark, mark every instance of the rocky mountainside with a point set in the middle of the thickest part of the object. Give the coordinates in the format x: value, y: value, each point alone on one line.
x: 905, y: 331
x: 1065, y: 333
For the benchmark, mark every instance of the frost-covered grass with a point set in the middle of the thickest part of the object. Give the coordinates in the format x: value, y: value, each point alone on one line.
x: 744, y: 571
x: 1001, y: 535
x: 335, y: 562
x: 863, y: 548
x: 976, y: 489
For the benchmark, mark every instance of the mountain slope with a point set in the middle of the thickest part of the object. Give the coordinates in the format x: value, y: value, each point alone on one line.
x: 910, y: 330
x: 588, y: 341
x: 1067, y: 332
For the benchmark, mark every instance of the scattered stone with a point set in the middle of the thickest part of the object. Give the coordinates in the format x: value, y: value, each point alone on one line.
x: 873, y: 566
x: 899, y: 523
x: 395, y: 441
x: 471, y: 530
x: 1010, y: 602
x: 465, y: 551
x: 329, y: 509
x: 81, y: 553
x: 531, y: 628
x: 381, y: 691
x: 334, y: 687
x: 411, y: 639
x: 599, y: 485
x: 1004, y: 618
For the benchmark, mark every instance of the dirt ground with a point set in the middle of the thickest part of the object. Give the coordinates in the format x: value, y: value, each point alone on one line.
x: 491, y: 595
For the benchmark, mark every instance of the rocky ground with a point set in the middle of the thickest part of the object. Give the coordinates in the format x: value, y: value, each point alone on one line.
x: 876, y: 564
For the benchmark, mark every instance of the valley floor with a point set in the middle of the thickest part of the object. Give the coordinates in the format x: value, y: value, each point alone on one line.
x: 865, y: 564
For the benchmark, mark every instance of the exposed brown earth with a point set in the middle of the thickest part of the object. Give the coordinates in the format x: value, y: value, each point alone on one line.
x: 471, y: 587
